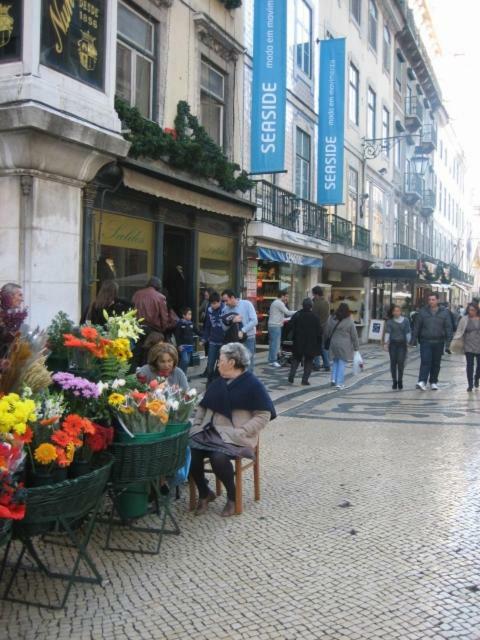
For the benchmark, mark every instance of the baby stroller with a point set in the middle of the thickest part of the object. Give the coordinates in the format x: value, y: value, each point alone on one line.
x: 286, y: 345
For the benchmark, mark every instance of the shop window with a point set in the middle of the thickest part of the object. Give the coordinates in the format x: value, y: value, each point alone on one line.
x: 303, y: 38
x: 11, y: 31
x: 212, y: 100
x: 371, y: 113
x: 123, y: 251
x: 356, y: 11
x: 135, y: 59
x: 302, y: 164
x: 398, y: 74
x: 216, y: 256
x: 353, y: 94
x: 372, y: 24
x: 352, y: 204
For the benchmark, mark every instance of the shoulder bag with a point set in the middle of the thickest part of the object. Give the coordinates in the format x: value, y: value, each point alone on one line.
x: 329, y: 339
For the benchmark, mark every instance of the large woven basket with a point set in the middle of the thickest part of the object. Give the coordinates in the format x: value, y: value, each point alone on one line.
x: 70, y: 499
x: 147, y: 461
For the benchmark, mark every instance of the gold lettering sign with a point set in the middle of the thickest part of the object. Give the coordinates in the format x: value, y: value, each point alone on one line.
x: 61, y: 19
x: 6, y: 24
x: 122, y: 231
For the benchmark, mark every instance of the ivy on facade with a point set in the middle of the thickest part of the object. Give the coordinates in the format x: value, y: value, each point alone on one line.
x: 231, y: 4
x: 188, y: 146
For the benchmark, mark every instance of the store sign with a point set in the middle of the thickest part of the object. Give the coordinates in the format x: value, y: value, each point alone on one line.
x: 73, y: 39
x: 395, y: 264
x: 375, y: 330
x: 122, y: 231
x: 269, y: 86
x: 215, y: 247
x: 331, y: 115
x: 10, y: 30
x: 274, y: 255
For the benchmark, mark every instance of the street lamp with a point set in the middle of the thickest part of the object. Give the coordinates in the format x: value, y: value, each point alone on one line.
x: 420, y: 164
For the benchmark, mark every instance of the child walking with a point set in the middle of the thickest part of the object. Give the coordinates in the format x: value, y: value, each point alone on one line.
x: 397, y: 337
x: 185, y: 333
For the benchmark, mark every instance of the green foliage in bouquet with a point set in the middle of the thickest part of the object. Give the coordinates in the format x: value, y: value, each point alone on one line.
x: 60, y: 325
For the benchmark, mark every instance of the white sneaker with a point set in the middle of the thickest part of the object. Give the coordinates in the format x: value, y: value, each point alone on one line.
x: 421, y: 385
x: 434, y: 386
x: 277, y: 365
x: 340, y: 386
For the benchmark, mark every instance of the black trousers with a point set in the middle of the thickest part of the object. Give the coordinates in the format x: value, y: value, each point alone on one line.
x: 222, y: 467
x: 398, y: 355
x: 307, y: 368
x: 471, y: 357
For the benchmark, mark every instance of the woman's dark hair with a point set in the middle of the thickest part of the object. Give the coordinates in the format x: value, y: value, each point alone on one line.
x: 107, y: 294
x: 472, y: 305
x: 392, y: 309
x: 307, y: 304
x: 342, y: 312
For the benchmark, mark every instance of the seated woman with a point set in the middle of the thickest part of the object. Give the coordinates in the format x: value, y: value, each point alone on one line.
x: 162, y: 363
x: 234, y: 409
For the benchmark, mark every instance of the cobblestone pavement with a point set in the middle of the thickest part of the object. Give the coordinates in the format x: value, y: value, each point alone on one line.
x: 402, y: 562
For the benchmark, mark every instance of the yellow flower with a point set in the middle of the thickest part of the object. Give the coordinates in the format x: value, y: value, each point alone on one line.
x: 127, y: 410
x: 70, y: 452
x: 45, y: 453
x: 116, y: 399
x: 20, y: 428
x: 120, y: 349
x: 158, y: 409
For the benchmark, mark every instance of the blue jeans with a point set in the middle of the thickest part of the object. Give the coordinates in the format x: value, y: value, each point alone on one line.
x: 430, y: 358
x: 338, y: 371
x: 213, y: 353
x: 274, y: 338
x: 325, y: 358
x: 184, y: 359
x: 250, y: 344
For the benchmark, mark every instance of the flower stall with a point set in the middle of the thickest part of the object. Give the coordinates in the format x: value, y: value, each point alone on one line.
x: 70, y: 437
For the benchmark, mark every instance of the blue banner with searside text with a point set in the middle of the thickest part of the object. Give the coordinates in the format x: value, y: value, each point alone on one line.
x: 331, y: 123
x: 269, y: 86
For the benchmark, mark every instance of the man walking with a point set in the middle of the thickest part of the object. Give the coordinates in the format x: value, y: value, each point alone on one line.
x: 321, y: 309
x: 238, y: 310
x: 432, y: 329
x: 277, y: 314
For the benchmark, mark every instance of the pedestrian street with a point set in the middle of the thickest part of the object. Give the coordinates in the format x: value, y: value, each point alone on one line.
x: 368, y: 527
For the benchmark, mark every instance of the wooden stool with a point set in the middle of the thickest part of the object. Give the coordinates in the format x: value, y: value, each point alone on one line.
x: 240, y: 467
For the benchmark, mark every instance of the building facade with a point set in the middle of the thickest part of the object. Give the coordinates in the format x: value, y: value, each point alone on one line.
x: 390, y: 241
x: 72, y: 194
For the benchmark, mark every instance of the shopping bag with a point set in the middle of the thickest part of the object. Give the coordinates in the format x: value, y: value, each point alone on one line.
x: 357, y: 363
x: 457, y: 345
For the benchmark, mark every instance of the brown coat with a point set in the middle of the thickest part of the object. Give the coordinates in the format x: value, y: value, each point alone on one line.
x: 242, y: 430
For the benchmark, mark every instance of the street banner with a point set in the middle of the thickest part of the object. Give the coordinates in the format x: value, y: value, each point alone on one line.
x: 331, y: 118
x: 269, y: 86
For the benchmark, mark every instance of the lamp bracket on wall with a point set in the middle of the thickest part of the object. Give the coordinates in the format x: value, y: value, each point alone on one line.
x: 373, y: 147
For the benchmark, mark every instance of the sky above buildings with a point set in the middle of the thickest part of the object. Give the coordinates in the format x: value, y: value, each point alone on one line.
x: 458, y: 68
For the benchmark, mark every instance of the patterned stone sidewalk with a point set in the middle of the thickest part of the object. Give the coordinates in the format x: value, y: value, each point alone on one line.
x: 400, y: 563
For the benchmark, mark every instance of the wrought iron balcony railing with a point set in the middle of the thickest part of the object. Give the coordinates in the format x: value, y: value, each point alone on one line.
x: 427, y: 141
x: 413, y: 113
x: 413, y: 187
x: 283, y: 209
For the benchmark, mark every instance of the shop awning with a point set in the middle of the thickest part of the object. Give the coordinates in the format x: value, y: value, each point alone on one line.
x: 187, y: 196
x: 460, y: 286
x: 276, y: 255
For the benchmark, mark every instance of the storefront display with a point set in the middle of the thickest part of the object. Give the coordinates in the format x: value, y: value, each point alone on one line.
x: 354, y: 297
x: 216, y: 261
x: 123, y: 251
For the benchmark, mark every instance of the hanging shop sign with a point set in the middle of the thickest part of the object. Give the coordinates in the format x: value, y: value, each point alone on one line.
x: 10, y: 31
x: 395, y: 264
x: 275, y: 255
x: 73, y: 39
x: 269, y: 86
x: 331, y: 116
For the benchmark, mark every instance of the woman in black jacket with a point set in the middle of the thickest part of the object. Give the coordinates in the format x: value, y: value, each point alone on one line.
x: 107, y: 300
x: 307, y: 340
